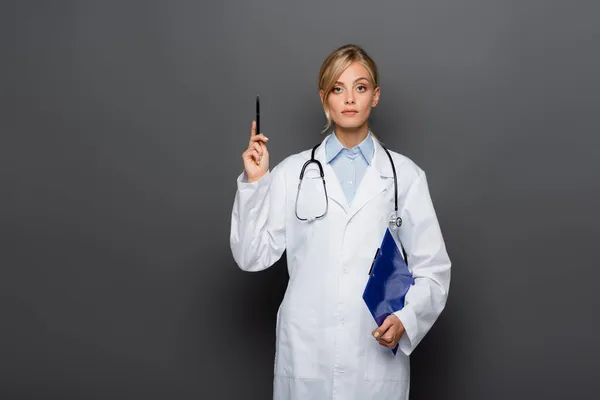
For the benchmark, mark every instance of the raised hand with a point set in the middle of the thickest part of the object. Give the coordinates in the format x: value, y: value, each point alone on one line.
x: 256, y: 156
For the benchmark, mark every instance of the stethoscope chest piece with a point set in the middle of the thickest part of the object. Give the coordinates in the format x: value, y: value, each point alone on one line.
x: 395, y: 221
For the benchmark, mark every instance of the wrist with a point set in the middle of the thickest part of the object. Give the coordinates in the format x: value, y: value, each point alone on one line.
x: 254, y: 177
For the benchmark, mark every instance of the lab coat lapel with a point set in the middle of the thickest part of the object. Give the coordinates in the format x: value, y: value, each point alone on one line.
x: 334, y: 190
x: 374, y: 181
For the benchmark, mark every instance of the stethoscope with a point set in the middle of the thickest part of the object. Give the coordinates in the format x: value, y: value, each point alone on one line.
x: 395, y: 221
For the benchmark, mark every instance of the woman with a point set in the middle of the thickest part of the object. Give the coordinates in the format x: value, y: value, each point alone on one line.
x: 328, y: 344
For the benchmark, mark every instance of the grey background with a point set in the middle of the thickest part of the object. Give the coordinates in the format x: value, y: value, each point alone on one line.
x: 122, y: 125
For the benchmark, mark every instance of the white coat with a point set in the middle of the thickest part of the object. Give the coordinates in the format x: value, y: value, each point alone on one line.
x: 324, y: 347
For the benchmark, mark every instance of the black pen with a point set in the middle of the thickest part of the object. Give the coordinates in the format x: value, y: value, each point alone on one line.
x: 257, y: 116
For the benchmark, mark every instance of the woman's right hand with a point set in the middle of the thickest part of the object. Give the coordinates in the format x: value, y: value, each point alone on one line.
x: 256, y: 156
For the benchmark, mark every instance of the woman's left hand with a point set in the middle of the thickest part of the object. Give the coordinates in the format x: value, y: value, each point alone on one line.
x: 389, y: 333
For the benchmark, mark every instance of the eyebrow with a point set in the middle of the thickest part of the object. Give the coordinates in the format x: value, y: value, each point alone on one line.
x: 356, y: 80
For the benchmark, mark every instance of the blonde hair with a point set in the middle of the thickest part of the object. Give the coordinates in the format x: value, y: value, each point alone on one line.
x: 335, y: 64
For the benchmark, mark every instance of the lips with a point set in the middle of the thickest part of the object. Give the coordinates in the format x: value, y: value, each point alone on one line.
x: 349, y: 112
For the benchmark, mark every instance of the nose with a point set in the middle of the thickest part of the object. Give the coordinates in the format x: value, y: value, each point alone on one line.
x: 349, y: 98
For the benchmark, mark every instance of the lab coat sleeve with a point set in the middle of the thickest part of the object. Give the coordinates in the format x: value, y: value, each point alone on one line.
x: 257, y: 236
x: 428, y: 262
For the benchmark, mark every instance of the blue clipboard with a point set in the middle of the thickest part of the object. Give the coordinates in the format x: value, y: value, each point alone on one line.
x: 389, y: 281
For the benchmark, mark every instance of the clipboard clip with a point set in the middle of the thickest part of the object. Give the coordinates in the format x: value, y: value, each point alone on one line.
x: 373, y: 263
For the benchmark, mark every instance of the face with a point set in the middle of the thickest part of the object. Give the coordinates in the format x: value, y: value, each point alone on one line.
x: 352, y: 97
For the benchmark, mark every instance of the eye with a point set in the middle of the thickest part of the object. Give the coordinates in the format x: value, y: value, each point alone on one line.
x: 336, y: 89
x: 361, y: 88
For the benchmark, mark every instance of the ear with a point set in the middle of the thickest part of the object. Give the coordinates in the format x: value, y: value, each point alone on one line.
x: 322, y: 96
x: 376, y: 93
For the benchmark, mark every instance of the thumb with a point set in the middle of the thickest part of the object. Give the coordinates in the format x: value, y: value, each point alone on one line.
x: 384, y: 327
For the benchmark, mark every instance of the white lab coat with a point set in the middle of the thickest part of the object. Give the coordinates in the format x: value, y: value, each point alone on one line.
x: 324, y: 347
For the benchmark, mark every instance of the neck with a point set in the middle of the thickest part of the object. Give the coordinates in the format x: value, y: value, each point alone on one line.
x: 351, y: 137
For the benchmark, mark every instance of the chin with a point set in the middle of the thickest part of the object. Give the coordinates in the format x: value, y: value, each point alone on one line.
x: 350, y: 124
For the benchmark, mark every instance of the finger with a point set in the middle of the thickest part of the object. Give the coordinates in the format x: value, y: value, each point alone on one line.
x: 253, y: 129
x: 248, y: 154
x: 263, y: 149
x: 383, y: 328
x: 251, y: 154
x: 385, y: 339
x: 256, y: 156
x: 258, y: 148
x: 390, y: 343
x: 388, y: 337
x: 264, y: 158
x: 259, y: 137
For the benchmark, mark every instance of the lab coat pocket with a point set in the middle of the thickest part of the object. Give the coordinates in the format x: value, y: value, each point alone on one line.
x: 383, y: 365
x: 296, y: 351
